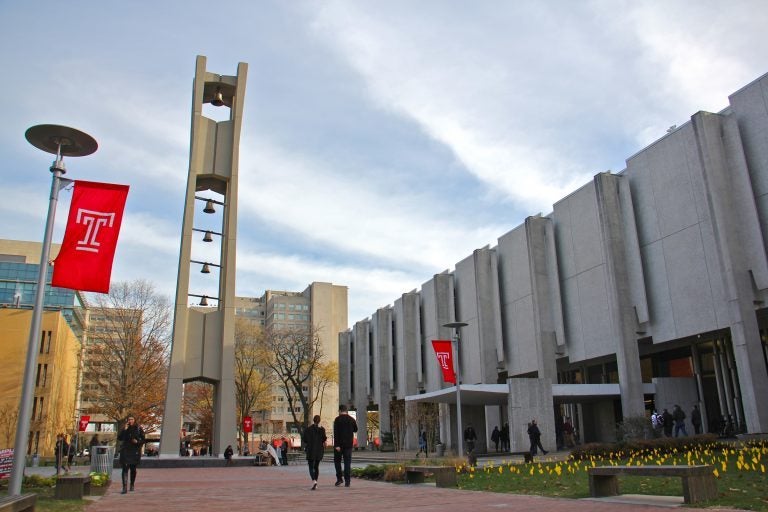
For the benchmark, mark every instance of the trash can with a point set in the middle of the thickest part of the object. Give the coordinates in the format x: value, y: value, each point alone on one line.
x: 102, y: 459
x: 440, y: 449
x: 35, y: 460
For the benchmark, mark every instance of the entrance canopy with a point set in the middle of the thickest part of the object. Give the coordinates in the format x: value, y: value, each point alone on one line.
x: 496, y: 394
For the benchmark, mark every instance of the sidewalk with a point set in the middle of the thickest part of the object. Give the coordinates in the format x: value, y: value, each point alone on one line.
x: 288, y: 488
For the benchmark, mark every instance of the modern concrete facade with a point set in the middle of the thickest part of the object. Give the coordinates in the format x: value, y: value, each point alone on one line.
x: 642, y: 289
x: 203, y: 340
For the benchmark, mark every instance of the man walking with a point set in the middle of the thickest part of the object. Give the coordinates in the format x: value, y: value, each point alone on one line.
x: 696, y: 419
x: 679, y: 416
x: 344, y: 428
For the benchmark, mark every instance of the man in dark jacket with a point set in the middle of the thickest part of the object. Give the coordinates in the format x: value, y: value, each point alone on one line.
x: 344, y: 428
x: 534, y: 435
x: 666, y: 420
x: 314, y: 445
x: 131, y: 439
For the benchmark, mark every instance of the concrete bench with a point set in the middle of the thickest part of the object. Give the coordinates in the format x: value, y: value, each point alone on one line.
x: 296, y: 457
x: 699, y: 483
x: 20, y: 503
x: 72, y: 487
x: 445, y: 476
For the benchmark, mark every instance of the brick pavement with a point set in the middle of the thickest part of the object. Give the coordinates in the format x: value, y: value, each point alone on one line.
x: 236, y: 489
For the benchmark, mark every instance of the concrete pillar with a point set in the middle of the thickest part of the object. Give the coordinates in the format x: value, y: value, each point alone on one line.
x: 530, y: 399
x: 620, y: 250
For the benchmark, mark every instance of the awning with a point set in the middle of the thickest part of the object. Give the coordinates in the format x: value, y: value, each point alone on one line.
x: 496, y: 394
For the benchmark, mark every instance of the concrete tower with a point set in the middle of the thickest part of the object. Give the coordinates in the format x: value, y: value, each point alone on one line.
x: 203, y: 338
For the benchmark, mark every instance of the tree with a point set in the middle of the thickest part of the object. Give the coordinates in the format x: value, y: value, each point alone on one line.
x: 126, y: 360
x: 295, y: 355
x: 253, y: 378
x: 198, y: 406
x: 326, y: 373
x: 9, y: 416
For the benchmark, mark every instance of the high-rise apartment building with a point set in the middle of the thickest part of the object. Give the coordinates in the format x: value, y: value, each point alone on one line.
x: 321, y: 306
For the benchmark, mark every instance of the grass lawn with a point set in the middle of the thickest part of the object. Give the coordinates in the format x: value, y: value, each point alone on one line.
x: 740, y: 474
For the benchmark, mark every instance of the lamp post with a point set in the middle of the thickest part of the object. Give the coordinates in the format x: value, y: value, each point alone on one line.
x: 61, y: 141
x: 456, y: 338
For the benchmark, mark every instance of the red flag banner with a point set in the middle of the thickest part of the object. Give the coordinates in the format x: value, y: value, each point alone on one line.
x: 444, y: 353
x: 247, y: 424
x: 85, y: 260
x: 83, y: 423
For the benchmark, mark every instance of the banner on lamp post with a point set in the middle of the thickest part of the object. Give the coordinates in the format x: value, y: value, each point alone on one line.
x: 85, y: 259
x: 83, y: 423
x: 247, y: 424
x: 444, y: 354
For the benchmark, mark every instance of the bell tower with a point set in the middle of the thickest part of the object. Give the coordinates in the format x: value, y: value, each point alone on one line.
x: 203, y: 334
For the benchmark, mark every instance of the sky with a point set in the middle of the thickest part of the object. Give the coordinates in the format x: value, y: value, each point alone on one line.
x: 382, y: 142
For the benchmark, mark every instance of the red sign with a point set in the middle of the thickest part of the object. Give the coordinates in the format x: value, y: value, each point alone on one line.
x: 83, y: 423
x: 247, y: 424
x: 85, y: 259
x: 444, y: 353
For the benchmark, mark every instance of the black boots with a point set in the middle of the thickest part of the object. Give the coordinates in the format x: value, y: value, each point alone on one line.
x: 131, y: 488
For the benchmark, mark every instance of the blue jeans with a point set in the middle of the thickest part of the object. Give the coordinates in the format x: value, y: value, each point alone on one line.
x: 680, y: 426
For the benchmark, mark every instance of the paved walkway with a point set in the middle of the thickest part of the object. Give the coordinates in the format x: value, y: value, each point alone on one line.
x: 288, y: 488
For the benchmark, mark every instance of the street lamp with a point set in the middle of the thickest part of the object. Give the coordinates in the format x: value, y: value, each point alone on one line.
x: 457, y: 326
x: 61, y: 141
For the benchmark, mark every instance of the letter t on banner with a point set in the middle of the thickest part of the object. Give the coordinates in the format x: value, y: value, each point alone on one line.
x: 444, y: 353
x: 85, y: 260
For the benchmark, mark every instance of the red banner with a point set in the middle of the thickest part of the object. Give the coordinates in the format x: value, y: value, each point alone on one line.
x: 83, y: 423
x: 85, y: 260
x: 444, y: 353
x: 247, y: 424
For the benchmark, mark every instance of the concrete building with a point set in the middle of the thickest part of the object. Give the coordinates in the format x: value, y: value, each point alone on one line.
x: 642, y: 289
x: 322, y: 306
x: 54, y: 408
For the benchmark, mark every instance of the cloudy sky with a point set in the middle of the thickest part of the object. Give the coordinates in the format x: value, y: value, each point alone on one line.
x: 382, y: 141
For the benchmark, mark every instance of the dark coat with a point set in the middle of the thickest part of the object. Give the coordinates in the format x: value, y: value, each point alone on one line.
x: 314, y: 442
x: 344, y: 428
x: 534, y: 434
x: 131, y: 440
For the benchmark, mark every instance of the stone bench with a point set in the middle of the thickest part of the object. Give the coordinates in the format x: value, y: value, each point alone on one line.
x: 699, y: 482
x: 445, y: 476
x: 20, y: 503
x: 72, y: 487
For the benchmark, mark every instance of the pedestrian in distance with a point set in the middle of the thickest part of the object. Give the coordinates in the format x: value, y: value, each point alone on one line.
x: 667, y: 423
x: 60, y: 451
x: 284, y: 451
x: 679, y: 417
x: 496, y: 437
x: 534, y: 435
x: 568, y: 433
x: 344, y: 428
x: 470, y: 436
x: 131, y: 438
x: 228, y: 452
x: 70, y: 455
x: 696, y: 419
x: 314, y: 446
x: 505, y: 438
x: 422, y: 444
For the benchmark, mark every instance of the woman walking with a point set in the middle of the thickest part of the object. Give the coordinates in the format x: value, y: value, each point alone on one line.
x: 131, y: 438
x: 314, y: 444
